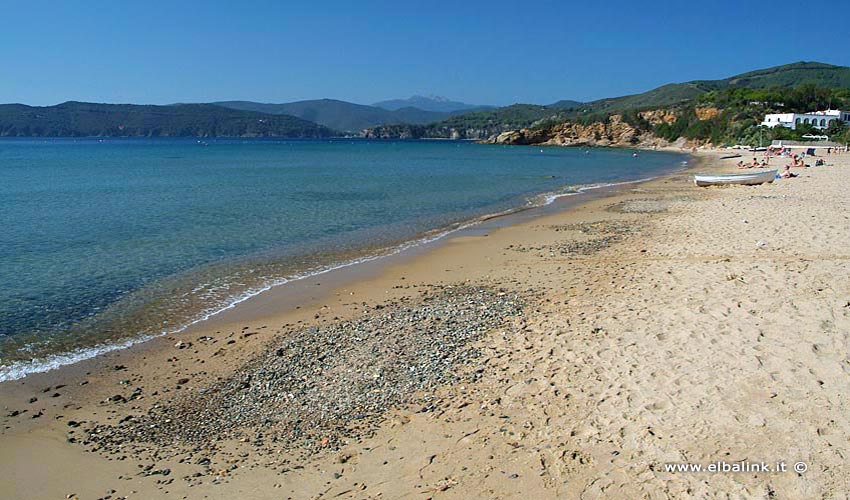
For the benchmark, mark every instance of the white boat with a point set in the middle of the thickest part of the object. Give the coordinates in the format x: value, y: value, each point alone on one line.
x: 747, y: 179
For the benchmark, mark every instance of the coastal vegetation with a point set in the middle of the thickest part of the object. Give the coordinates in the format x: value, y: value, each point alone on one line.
x: 779, y: 77
x: 734, y: 116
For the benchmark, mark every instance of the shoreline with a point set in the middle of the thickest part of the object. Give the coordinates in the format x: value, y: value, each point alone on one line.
x: 372, y: 265
x: 620, y: 307
x: 421, y: 243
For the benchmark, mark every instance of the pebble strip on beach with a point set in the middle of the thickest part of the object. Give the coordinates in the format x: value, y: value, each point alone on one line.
x: 318, y: 388
x: 609, y: 232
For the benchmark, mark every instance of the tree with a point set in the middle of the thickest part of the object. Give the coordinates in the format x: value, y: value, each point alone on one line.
x: 836, y: 128
x: 807, y: 128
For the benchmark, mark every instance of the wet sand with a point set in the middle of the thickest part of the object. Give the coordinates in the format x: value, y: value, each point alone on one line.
x: 661, y: 323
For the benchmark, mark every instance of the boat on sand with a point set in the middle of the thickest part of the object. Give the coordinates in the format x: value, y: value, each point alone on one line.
x: 747, y: 179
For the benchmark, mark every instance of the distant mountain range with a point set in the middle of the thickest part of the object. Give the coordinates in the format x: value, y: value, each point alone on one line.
x: 81, y: 119
x: 340, y: 115
x: 352, y: 118
x: 414, y: 117
x: 431, y: 103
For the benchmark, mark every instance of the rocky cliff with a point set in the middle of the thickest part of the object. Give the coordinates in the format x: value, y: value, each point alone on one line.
x: 614, y: 132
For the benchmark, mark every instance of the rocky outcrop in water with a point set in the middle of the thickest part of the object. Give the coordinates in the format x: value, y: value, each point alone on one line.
x: 428, y: 132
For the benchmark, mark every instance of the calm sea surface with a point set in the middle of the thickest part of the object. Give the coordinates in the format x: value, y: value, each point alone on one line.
x: 107, y: 242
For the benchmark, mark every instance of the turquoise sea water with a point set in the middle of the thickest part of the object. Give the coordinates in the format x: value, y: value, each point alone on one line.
x: 104, y: 242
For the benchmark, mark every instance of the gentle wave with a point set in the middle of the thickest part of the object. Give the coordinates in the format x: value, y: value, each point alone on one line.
x: 21, y: 369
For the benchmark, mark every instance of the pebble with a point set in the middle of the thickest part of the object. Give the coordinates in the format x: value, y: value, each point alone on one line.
x: 317, y: 388
x: 611, y: 232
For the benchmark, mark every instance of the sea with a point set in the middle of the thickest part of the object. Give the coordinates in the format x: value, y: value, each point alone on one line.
x: 109, y: 242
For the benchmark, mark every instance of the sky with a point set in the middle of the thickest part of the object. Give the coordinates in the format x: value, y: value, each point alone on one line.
x: 492, y: 52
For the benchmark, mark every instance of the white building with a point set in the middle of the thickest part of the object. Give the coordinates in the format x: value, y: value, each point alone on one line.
x: 818, y: 119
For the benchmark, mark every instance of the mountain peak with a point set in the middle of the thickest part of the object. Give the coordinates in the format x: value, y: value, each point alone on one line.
x: 431, y: 97
x: 428, y: 103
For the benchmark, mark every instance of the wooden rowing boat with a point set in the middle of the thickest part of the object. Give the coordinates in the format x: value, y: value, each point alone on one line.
x: 747, y: 179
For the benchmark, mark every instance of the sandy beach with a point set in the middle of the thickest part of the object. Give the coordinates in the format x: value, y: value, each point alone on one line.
x: 573, y: 355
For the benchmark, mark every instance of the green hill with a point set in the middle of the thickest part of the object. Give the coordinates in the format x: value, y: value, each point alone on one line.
x: 341, y: 115
x: 785, y: 76
x: 663, y: 96
x: 81, y: 119
x: 565, y: 104
x: 505, y: 116
x: 792, y: 75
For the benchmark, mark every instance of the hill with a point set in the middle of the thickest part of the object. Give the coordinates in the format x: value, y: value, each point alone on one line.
x: 475, y: 125
x: 716, y: 112
x: 431, y: 103
x: 792, y: 75
x: 785, y: 76
x: 81, y: 119
x: 340, y: 115
x: 565, y: 104
x: 482, y: 124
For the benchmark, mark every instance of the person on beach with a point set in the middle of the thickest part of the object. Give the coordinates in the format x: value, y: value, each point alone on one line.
x: 755, y: 162
x: 787, y: 174
x: 797, y: 162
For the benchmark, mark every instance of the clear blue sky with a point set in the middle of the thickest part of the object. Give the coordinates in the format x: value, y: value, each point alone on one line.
x: 479, y: 52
